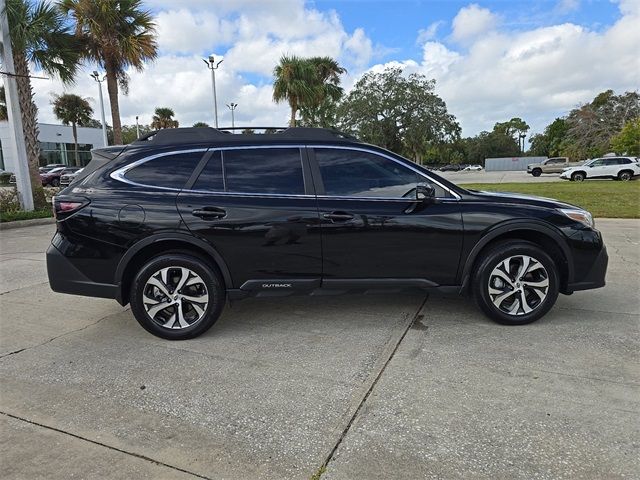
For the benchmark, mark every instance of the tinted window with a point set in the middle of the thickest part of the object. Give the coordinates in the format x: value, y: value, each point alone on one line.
x: 170, y: 171
x: 263, y: 170
x: 211, y: 177
x: 611, y: 161
x: 623, y: 161
x: 360, y: 174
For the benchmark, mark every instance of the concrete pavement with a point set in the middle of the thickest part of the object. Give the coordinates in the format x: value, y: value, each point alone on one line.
x: 370, y: 386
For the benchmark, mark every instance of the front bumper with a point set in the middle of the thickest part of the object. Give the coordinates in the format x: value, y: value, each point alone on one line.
x: 595, y: 277
x: 64, y: 277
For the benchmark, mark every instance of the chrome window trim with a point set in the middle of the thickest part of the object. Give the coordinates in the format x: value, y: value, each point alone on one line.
x: 119, y: 174
x: 373, y: 152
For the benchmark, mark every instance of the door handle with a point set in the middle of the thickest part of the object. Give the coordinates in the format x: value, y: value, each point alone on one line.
x: 338, y: 216
x: 208, y: 213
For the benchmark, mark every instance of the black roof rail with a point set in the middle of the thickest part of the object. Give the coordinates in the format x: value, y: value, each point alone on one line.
x: 169, y: 136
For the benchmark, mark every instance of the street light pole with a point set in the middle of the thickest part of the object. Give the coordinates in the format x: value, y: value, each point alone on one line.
x: 232, y: 106
x: 96, y: 76
x: 213, y: 66
x: 137, y: 128
x: 16, y: 132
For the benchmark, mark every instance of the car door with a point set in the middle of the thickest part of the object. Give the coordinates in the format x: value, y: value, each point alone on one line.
x: 253, y: 206
x: 373, y: 228
x: 598, y: 168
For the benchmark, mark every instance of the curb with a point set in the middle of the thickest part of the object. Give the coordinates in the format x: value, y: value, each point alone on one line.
x: 26, y: 223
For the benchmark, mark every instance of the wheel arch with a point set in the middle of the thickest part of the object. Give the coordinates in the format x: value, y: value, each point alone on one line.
x: 154, y: 245
x: 536, y: 232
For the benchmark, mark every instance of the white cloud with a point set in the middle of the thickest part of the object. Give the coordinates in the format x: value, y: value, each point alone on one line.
x: 566, y: 6
x: 429, y: 33
x: 472, y: 21
x: 536, y: 74
x: 183, y: 31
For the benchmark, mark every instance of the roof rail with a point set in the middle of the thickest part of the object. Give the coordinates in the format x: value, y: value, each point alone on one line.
x: 208, y: 134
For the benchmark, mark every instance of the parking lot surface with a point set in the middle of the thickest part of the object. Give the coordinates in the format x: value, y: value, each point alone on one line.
x: 367, y: 386
x: 483, y: 176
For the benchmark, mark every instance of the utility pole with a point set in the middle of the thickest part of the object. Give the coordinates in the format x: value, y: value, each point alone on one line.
x: 96, y: 76
x: 232, y: 106
x: 16, y: 133
x: 213, y: 66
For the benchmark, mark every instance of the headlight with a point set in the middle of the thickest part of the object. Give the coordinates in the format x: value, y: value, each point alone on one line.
x: 581, y: 216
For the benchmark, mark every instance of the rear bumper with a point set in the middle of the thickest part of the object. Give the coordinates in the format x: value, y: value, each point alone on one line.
x: 65, y: 278
x: 595, y: 278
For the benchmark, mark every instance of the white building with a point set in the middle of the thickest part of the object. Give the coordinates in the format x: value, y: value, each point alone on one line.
x: 56, y: 144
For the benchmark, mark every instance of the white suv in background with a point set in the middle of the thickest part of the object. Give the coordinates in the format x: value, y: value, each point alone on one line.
x: 617, y: 168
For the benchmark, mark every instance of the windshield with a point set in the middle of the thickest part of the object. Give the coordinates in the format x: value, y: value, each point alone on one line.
x: 55, y: 170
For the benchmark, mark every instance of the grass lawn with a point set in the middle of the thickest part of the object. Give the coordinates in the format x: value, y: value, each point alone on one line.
x: 22, y: 215
x: 601, y: 197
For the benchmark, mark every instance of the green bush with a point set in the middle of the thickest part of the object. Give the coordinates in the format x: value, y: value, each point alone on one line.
x: 9, y: 202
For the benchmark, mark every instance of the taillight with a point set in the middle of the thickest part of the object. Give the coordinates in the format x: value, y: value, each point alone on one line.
x: 63, y: 206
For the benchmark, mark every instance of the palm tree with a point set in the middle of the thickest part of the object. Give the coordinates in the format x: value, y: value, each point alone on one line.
x: 118, y: 34
x: 306, y: 82
x: 293, y: 82
x: 74, y: 110
x: 40, y: 36
x: 200, y: 124
x: 163, y: 118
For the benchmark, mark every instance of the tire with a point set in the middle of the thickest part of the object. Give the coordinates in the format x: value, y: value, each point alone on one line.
x: 578, y: 177
x: 536, y: 172
x: 55, y: 182
x: 491, y: 289
x: 625, y: 175
x: 200, y: 299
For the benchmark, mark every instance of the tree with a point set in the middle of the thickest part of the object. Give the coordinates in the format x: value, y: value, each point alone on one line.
x: 200, y: 124
x: 306, y: 83
x: 130, y: 132
x: 40, y: 36
x: 163, y: 118
x: 3, y: 105
x: 117, y: 34
x: 74, y: 110
x: 549, y: 143
x: 515, y: 128
x: 627, y: 142
x: 590, y: 127
x: 399, y: 113
x: 488, y: 145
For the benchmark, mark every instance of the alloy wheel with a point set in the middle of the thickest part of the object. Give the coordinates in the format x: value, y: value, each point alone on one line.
x: 518, y: 285
x: 175, y: 297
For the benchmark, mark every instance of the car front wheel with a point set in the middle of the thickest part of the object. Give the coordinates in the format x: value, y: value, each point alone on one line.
x: 177, y: 296
x: 577, y: 177
x: 516, y: 283
x: 536, y: 172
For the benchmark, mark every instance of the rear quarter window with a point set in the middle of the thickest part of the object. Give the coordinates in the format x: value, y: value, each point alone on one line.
x: 169, y: 171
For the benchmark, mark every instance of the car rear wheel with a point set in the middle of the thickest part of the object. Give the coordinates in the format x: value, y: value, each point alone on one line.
x: 516, y: 283
x: 536, y: 172
x: 177, y: 296
x: 577, y: 177
x: 625, y: 176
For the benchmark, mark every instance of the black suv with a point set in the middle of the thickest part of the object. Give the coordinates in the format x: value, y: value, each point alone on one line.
x: 181, y: 220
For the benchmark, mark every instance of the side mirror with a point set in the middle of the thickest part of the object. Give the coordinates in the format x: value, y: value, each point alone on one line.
x: 425, y: 193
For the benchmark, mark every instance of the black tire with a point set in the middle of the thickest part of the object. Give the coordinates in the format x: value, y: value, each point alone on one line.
x: 491, y: 259
x: 578, y: 177
x: 211, y: 280
x: 625, y: 175
x: 55, y: 182
x: 536, y: 172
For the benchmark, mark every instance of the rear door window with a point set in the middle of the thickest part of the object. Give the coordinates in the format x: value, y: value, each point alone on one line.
x: 169, y: 171
x: 254, y: 170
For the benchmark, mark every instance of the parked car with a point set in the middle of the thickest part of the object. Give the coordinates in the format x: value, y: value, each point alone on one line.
x: 450, y: 168
x: 52, y: 177
x: 617, y: 168
x: 50, y: 166
x: 473, y: 168
x: 551, y: 165
x: 68, y: 177
x: 303, y: 211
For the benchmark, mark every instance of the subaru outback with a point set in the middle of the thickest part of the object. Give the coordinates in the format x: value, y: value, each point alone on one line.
x: 183, y: 220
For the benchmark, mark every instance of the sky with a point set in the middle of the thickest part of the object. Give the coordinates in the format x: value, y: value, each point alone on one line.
x: 492, y: 60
